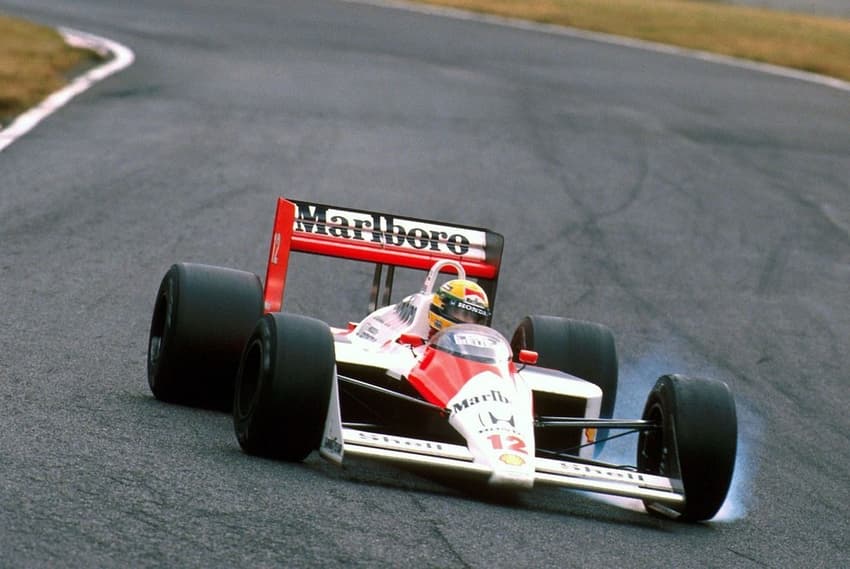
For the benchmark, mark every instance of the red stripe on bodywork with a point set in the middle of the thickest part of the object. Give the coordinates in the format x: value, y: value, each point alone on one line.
x: 439, y: 375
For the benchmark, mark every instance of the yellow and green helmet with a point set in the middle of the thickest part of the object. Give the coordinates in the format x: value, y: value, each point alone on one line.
x: 458, y: 301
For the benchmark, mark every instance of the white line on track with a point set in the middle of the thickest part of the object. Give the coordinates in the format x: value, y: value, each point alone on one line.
x: 123, y: 57
x: 120, y: 56
x: 609, y: 39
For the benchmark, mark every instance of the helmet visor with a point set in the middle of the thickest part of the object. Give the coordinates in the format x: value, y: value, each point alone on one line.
x: 463, y: 312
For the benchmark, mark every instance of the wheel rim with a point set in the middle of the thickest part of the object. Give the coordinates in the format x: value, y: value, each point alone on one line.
x: 653, y: 450
x: 157, y: 335
x: 249, y: 378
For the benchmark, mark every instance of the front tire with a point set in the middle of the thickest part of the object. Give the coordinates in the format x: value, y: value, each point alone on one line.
x: 201, y: 319
x: 283, y: 387
x: 696, y: 442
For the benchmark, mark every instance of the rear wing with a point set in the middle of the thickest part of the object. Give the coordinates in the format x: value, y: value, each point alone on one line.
x: 384, y: 239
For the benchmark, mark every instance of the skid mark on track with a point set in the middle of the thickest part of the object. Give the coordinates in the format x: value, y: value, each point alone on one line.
x: 747, y: 557
x: 771, y: 276
x: 436, y: 531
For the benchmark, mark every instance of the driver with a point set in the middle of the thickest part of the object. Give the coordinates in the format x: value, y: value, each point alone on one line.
x: 458, y: 301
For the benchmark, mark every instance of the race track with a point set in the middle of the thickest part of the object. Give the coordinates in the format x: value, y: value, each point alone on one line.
x: 701, y: 211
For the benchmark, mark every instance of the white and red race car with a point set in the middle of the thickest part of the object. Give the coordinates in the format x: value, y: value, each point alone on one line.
x: 530, y: 411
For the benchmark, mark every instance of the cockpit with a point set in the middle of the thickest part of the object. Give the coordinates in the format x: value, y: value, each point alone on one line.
x: 473, y: 342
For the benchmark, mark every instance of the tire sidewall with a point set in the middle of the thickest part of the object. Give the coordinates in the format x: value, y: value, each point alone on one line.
x: 290, y: 362
x: 582, y: 349
x: 699, y: 433
x: 201, y: 319
x: 161, y: 372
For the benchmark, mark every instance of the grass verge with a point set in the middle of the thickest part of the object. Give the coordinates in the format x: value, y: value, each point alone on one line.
x: 34, y: 62
x: 809, y: 43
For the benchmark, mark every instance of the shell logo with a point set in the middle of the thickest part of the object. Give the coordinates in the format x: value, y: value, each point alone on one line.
x: 590, y: 435
x: 512, y: 459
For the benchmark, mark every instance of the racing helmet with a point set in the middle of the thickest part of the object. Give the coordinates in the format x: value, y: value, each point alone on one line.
x: 458, y: 301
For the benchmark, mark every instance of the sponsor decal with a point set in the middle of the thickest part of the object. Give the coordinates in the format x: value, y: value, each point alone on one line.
x: 590, y: 435
x: 387, y: 230
x: 490, y: 423
x: 473, y: 308
x: 512, y: 460
x: 276, y: 248
x: 588, y: 471
x: 489, y: 419
x: 496, y: 420
x: 494, y: 396
x: 399, y: 442
x: 475, y: 340
x: 332, y: 445
x: 368, y: 332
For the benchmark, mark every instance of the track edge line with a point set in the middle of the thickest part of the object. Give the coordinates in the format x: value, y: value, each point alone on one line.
x: 610, y: 39
x: 121, y: 57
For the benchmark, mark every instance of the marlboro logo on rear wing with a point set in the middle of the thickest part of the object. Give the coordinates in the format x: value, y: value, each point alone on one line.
x: 380, y: 238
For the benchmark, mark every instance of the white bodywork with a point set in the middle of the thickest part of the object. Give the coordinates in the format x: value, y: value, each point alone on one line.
x: 338, y: 442
x: 494, y: 414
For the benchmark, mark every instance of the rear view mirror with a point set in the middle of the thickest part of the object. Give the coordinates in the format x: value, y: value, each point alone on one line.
x: 528, y: 357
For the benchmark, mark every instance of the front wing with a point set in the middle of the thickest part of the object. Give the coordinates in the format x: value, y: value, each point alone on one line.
x: 562, y: 473
x: 339, y: 442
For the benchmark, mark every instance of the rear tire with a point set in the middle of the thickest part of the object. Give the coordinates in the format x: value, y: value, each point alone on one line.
x: 283, y: 387
x: 202, y: 317
x: 582, y: 349
x: 697, y: 442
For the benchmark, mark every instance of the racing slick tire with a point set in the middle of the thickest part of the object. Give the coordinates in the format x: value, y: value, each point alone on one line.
x: 202, y: 317
x: 583, y: 349
x: 283, y: 387
x: 696, y: 442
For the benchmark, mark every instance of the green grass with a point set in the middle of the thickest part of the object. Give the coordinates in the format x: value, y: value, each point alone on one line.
x: 34, y: 62
x: 810, y: 43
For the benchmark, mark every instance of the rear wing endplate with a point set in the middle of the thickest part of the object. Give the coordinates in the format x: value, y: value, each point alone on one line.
x: 380, y: 238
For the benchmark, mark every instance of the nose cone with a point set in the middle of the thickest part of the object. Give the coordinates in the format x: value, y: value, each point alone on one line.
x: 493, y: 414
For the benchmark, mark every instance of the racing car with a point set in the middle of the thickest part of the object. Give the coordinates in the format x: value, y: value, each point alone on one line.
x: 515, y: 414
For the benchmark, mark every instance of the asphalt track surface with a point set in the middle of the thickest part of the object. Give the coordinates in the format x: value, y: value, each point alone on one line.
x: 701, y: 211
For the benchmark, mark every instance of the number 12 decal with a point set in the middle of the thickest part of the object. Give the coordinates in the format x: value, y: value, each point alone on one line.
x: 510, y: 442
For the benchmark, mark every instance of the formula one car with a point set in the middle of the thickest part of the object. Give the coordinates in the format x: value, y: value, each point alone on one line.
x: 515, y: 414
